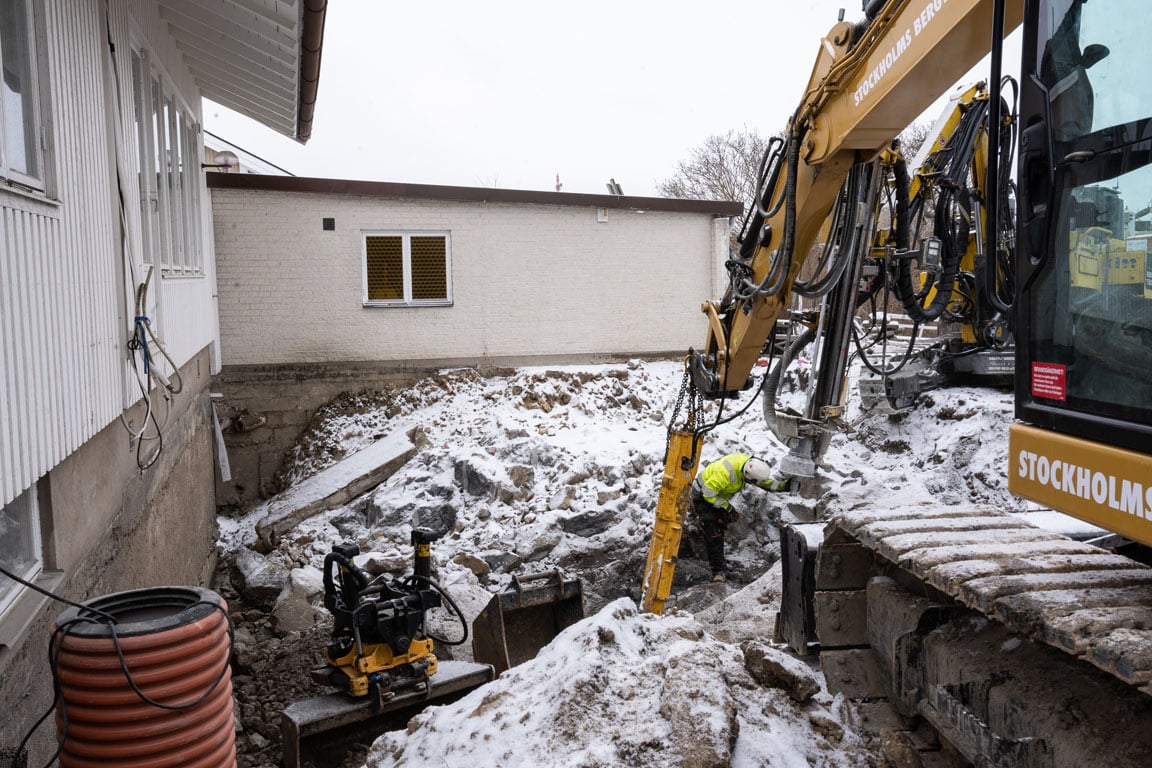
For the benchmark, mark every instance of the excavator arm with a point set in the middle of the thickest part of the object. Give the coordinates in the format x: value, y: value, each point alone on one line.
x: 869, y: 81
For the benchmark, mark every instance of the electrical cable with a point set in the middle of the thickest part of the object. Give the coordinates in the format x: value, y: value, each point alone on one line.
x: 53, y: 595
x: 211, y: 689
x: 451, y: 603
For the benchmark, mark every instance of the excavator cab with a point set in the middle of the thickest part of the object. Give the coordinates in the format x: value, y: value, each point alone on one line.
x: 1084, y: 320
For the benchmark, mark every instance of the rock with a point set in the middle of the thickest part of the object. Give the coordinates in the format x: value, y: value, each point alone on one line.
x: 588, y: 524
x: 501, y: 561
x: 562, y: 499
x: 826, y: 724
x: 472, y: 479
x: 539, y: 547
x: 348, y: 524
x: 440, y: 519
x: 377, y: 563
x: 681, y: 704
x: 521, y: 476
x: 259, y: 579
x: 379, y: 515
x: 776, y: 669
x: 603, y: 497
x: 244, y: 648
x: 475, y: 564
x: 297, y: 606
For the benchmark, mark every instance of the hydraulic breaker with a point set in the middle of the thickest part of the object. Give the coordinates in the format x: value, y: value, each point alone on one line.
x: 679, y: 470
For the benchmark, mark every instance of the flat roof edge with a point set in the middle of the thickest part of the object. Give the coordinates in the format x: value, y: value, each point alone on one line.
x: 465, y: 194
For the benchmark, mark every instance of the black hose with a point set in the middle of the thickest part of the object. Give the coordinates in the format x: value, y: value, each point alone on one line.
x: 777, y: 275
x: 992, y: 172
x: 902, y: 183
x: 772, y: 380
x: 952, y: 190
x: 411, y: 583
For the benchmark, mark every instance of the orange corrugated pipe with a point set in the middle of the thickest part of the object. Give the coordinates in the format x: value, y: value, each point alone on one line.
x: 173, y: 708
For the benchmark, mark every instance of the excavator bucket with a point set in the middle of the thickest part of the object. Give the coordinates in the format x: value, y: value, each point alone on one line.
x: 524, y: 618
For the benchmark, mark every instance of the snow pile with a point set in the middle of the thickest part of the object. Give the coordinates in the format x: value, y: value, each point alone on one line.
x: 540, y: 468
x: 626, y: 688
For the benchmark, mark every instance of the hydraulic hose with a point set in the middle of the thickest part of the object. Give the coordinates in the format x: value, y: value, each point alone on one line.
x: 772, y: 379
x: 952, y: 190
x: 777, y: 275
x: 992, y: 183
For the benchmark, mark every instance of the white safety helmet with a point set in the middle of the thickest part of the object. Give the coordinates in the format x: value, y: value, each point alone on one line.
x: 757, y: 470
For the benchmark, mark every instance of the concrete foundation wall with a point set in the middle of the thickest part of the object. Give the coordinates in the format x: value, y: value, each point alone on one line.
x: 268, y: 407
x: 109, y: 527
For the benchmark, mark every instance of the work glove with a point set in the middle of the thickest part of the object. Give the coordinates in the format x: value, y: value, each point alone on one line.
x: 784, y: 484
x: 729, y: 516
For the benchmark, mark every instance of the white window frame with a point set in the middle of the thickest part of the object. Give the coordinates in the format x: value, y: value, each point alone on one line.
x: 34, y: 123
x: 167, y: 139
x: 406, y: 236
x: 36, y: 564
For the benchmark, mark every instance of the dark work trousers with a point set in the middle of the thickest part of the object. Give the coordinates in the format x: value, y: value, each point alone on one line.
x: 712, y: 523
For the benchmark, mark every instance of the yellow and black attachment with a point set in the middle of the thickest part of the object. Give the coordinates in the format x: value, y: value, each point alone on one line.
x: 380, y: 644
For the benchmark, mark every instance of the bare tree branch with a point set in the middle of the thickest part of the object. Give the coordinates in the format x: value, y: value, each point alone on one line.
x: 724, y: 167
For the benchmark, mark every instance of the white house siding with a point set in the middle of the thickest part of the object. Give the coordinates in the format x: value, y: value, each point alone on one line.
x: 65, y: 306
x: 60, y: 302
x: 527, y: 279
x: 65, y: 380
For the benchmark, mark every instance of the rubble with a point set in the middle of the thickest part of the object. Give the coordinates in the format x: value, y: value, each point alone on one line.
x: 533, y: 470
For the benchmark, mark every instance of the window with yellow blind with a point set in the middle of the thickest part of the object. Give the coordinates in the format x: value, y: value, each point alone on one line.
x: 407, y: 269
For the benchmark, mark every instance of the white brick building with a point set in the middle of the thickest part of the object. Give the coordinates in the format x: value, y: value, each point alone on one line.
x: 516, y: 275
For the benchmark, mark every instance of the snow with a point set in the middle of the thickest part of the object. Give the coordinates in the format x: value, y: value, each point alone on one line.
x: 624, y: 688
x: 559, y: 467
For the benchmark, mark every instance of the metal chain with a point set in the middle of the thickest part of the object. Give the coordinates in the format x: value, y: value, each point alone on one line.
x: 688, y: 392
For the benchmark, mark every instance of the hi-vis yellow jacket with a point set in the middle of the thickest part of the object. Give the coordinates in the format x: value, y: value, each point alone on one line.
x: 719, y: 481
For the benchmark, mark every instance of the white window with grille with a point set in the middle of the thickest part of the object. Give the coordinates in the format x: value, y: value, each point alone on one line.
x: 167, y: 149
x: 19, y: 545
x: 21, y: 159
x: 407, y: 269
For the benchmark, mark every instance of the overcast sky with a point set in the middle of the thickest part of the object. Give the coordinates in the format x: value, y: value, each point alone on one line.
x: 511, y: 93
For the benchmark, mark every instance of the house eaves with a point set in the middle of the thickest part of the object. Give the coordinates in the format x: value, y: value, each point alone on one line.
x: 715, y: 208
x: 260, y: 58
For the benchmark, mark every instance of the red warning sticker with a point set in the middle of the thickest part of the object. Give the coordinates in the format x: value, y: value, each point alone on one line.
x: 1050, y: 380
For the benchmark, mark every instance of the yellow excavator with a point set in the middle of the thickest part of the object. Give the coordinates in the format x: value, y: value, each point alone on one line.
x: 967, y: 635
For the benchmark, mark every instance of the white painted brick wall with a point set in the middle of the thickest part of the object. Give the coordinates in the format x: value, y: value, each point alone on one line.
x: 526, y: 279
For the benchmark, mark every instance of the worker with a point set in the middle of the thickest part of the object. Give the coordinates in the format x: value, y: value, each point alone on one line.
x: 712, y: 493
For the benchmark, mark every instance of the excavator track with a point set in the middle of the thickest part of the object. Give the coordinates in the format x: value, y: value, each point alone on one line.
x: 1020, y: 647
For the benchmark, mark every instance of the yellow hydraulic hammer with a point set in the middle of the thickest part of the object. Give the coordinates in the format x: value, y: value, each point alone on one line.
x: 679, y: 470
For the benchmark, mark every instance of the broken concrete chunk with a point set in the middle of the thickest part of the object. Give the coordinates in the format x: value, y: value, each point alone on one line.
x: 539, y: 547
x: 259, y: 579
x: 501, y: 561
x: 297, y: 606
x: 334, y: 486
x: 776, y: 669
x: 377, y: 563
x: 562, y: 499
